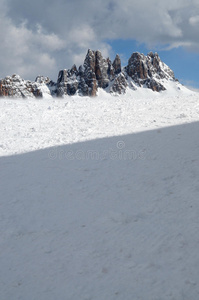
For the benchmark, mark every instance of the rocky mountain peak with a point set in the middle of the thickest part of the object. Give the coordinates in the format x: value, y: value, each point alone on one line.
x: 96, y: 72
x: 117, y: 64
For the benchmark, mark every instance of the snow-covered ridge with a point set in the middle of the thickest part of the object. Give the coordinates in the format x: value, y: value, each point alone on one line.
x: 97, y: 72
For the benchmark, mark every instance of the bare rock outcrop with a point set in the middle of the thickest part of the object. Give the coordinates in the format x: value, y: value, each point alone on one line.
x: 96, y: 72
x: 148, y: 70
x: 119, y: 84
x: 15, y: 86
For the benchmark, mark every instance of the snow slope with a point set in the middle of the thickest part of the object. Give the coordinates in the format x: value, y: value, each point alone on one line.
x: 28, y: 125
x: 112, y: 213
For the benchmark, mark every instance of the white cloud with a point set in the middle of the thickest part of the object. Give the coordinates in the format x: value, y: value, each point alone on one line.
x: 62, y: 31
x: 81, y: 35
x: 26, y: 52
x: 194, y: 20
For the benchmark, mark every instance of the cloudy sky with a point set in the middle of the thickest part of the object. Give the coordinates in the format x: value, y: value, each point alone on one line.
x: 41, y: 37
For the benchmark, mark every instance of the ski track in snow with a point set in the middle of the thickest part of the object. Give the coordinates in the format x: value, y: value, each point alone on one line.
x: 107, y: 205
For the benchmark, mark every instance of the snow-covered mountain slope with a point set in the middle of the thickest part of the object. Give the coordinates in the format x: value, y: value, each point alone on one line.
x: 30, y: 124
x: 111, y: 213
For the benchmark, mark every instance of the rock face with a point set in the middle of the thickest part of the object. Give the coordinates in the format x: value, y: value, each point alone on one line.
x: 119, y: 84
x: 96, y: 72
x: 15, y: 86
x: 89, y: 74
x: 148, y: 70
x: 117, y: 65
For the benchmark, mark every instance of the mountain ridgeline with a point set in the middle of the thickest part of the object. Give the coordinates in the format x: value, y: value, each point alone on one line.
x: 96, y: 72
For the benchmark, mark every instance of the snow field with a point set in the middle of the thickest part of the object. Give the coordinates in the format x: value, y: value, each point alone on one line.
x: 106, y: 206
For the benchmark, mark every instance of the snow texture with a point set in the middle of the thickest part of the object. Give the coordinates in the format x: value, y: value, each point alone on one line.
x: 99, y: 197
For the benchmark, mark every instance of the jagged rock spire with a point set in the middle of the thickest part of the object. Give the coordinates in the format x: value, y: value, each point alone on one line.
x: 117, y: 64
